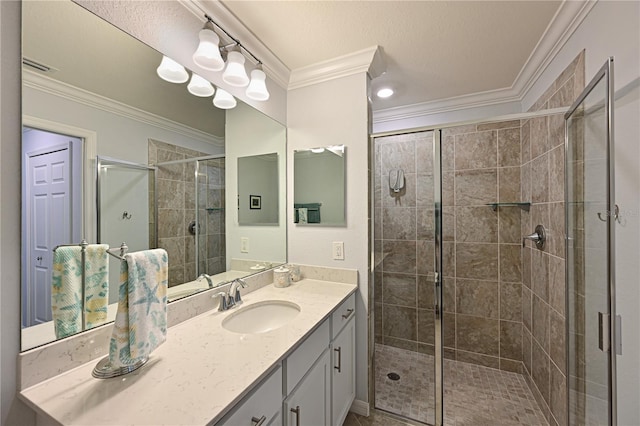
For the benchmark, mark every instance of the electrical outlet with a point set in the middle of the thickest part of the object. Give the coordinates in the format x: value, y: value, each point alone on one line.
x: 244, y: 245
x: 338, y: 250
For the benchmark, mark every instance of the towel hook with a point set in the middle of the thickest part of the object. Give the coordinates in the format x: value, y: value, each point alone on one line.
x: 615, y: 215
x: 126, y: 215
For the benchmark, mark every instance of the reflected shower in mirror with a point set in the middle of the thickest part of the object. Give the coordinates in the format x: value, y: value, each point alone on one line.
x: 319, y: 186
x: 163, y: 155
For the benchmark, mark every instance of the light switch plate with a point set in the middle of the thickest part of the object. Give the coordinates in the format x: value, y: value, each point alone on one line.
x: 244, y: 245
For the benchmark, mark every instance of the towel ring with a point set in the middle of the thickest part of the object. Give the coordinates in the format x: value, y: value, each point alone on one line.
x: 105, y: 370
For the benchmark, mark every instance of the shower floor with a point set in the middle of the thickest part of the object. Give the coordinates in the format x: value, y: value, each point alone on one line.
x: 473, y: 395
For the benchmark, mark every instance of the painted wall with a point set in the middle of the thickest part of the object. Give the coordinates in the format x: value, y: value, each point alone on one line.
x: 259, y: 177
x: 612, y: 28
x: 343, y: 103
x: 249, y: 132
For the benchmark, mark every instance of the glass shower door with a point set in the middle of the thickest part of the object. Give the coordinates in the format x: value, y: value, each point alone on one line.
x: 590, y: 218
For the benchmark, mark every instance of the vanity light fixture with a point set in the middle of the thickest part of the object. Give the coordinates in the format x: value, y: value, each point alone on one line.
x: 198, y: 86
x: 171, y: 71
x: 210, y: 53
x: 235, y: 74
x: 385, y: 92
x: 207, y: 55
x: 224, y: 99
x: 257, y: 89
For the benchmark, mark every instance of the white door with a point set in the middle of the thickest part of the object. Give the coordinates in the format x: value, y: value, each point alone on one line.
x: 48, y: 215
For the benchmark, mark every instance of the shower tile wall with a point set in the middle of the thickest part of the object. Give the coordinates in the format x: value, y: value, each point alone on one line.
x: 176, y: 209
x: 543, y: 291
x: 481, y: 262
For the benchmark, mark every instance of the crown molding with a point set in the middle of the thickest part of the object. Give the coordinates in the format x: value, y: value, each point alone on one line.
x: 46, y: 84
x: 474, y: 100
x: 568, y: 17
x: 367, y: 60
x: 271, y: 64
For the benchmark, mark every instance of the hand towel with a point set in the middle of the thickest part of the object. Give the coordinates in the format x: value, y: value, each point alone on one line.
x: 66, y: 288
x: 302, y: 215
x: 141, y: 320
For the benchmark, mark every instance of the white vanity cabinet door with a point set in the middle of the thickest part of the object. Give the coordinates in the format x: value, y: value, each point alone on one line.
x: 265, y: 400
x: 309, y: 404
x: 343, y: 382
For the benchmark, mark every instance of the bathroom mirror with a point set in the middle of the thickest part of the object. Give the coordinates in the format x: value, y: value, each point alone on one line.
x: 168, y: 159
x: 319, y: 186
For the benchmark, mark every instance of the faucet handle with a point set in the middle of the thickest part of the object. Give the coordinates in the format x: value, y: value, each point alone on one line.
x: 224, y: 301
x: 235, y: 294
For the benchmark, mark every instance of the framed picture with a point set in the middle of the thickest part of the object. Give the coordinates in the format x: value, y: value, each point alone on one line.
x: 255, y: 202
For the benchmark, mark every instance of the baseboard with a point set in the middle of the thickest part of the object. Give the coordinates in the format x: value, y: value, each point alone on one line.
x: 360, y: 407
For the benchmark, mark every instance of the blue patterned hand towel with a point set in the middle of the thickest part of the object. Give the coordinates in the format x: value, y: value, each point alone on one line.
x: 66, y: 289
x: 141, y: 321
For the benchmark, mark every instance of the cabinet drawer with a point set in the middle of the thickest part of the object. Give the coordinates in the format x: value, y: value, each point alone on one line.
x: 301, y: 360
x: 342, y: 315
x: 265, y: 400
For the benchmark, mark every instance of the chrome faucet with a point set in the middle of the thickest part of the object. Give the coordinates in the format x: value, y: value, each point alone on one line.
x: 234, y: 292
x: 206, y: 277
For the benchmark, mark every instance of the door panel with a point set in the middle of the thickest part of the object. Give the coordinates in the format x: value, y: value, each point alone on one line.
x: 590, y: 224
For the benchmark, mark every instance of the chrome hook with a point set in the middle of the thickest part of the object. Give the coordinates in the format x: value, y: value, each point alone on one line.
x: 615, y: 215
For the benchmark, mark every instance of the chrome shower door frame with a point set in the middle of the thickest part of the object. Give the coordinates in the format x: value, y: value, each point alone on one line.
x: 608, y: 329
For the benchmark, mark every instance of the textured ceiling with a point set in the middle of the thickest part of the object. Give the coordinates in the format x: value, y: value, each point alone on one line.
x: 91, y: 54
x: 434, y: 49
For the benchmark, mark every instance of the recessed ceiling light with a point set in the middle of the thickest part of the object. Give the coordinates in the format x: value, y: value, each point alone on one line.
x: 385, y: 93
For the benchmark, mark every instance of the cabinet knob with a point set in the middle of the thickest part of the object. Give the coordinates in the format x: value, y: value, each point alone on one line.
x: 258, y: 421
x: 297, y: 411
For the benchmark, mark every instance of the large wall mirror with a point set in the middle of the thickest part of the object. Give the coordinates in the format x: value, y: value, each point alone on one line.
x: 113, y: 154
x: 319, y: 186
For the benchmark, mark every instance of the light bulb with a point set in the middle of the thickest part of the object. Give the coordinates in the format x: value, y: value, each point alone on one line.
x: 235, y: 74
x: 207, y: 55
x: 198, y: 86
x: 224, y: 99
x: 385, y: 93
x: 257, y: 89
x: 171, y: 71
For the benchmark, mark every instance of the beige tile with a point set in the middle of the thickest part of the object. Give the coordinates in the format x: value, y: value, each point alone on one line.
x: 476, y: 150
x: 399, y: 223
x: 557, y: 339
x: 510, y: 262
x: 511, y: 301
x: 477, y: 261
x: 479, y: 335
x: 509, y: 184
x: 556, y: 130
x: 475, y: 187
x: 556, y: 174
x: 476, y: 224
x: 399, y: 289
x: 170, y: 223
x: 478, y: 359
x: 399, y: 155
x: 557, y: 284
x: 425, y: 291
x: 426, y: 327
x: 425, y: 255
x: 509, y: 147
x: 525, y: 142
x: 410, y: 345
x: 527, y: 314
x: 509, y: 225
x: 525, y: 183
x: 170, y: 194
x: 558, y: 396
x: 540, y: 274
x: 563, y: 97
x: 478, y: 298
x: 511, y: 365
x: 399, y: 322
x: 538, y: 136
x: 425, y: 191
x: 175, y: 249
x: 448, y: 259
x: 425, y: 224
x: 448, y: 152
x: 511, y: 340
x: 540, y: 179
x: 424, y: 153
x: 557, y: 229
x: 448, y: 223
x: 526, y: 350
x: 540, y: 373
x: 448, y: 189
x: 499, y: 125
x: 541, y: 323
x: 451, y: 131
x: 400, y: 256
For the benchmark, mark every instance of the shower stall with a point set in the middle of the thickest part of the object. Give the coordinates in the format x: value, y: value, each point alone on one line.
x: 473, y: 324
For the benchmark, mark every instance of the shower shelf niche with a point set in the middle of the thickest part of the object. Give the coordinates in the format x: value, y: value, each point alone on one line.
x: 523, y: 206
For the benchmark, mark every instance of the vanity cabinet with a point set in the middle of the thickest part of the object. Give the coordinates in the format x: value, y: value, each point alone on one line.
x: 262, y: 405
x: 314, y: 386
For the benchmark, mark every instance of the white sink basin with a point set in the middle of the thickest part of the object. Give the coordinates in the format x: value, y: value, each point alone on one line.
x: 261, y: 317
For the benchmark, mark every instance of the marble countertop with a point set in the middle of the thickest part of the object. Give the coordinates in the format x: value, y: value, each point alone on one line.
x: 197, y: 375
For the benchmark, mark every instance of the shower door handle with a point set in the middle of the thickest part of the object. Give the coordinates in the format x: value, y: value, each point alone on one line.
x: 436, y: 294
x: 603, y: 331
